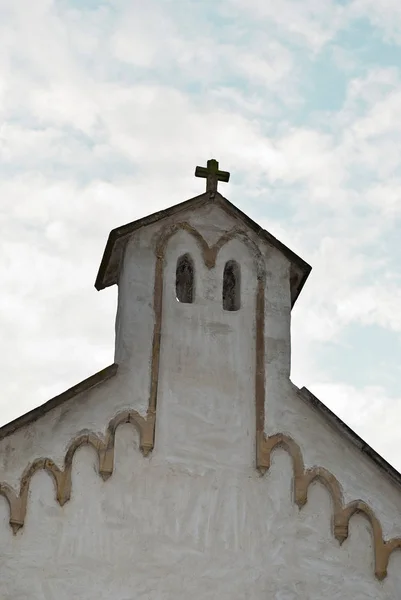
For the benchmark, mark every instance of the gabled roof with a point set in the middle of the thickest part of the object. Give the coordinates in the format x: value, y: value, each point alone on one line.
x: 118, y: 238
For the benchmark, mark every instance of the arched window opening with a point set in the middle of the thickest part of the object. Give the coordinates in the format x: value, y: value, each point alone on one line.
x: 231, y: 286
x: 184, y: 279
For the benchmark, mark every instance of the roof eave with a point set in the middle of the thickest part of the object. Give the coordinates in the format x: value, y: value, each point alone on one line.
x: 126, y: 230
x: 130, y: 228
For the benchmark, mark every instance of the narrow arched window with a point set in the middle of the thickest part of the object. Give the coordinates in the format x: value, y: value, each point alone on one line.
x: 231, y: 286
x: 185, y: 279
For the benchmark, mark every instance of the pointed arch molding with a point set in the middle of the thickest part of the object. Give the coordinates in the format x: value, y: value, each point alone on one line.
x: 302, y: 479
x: 342, y: 514
x: 103, y: 445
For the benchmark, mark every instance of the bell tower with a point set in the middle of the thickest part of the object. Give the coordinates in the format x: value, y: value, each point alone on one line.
x: 203, y: 325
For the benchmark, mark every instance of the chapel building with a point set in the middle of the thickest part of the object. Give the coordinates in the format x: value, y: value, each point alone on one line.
x: 192, y: 467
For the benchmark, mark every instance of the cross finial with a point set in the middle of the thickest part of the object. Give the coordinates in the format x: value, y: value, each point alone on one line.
x: 212, y: 175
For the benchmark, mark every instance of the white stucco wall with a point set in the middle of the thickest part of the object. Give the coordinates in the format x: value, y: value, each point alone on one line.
x: 194, y: 519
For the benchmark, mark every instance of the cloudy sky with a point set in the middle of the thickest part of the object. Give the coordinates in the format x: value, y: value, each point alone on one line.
x: 106, y: 107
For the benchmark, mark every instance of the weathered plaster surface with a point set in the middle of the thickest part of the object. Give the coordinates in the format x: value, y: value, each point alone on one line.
x: 202, y: 343
x: 194, y: 519
x: 321, y: 445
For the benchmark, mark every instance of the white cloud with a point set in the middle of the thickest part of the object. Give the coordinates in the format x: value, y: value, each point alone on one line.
x: 369, y: 411
x: 374, y: 304
x: 311, y: 22
x: 385, y: 15
x: 386, y: 197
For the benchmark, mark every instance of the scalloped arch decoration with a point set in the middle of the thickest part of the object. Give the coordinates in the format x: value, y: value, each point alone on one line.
x: 342, y: 513
x: 104, y: 446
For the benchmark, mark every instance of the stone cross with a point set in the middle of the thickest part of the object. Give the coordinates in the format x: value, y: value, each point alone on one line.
x: 212, y: 175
